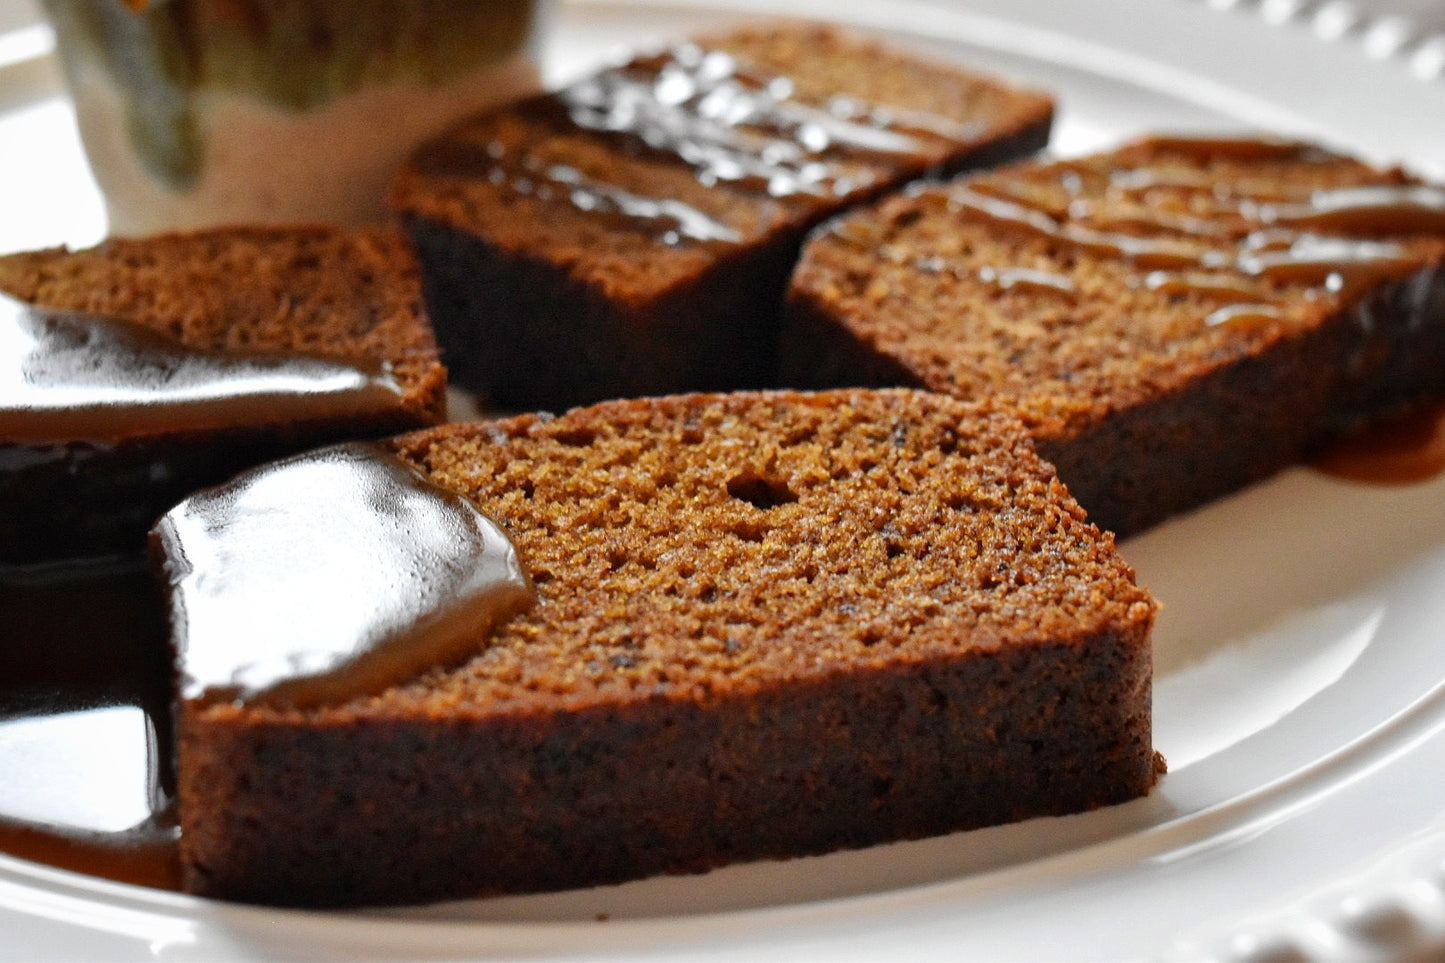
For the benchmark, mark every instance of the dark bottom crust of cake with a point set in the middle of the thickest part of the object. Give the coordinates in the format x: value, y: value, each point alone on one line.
x: 524, y: 336
x: 1249, y: 419
x: 82, y: 499
x: 377, y: 812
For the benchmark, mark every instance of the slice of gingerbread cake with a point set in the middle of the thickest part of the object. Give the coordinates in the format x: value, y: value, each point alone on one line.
x: 1172, y: 320
x: 136, y: 371
x: 764, y: 625
x: 632, y: 234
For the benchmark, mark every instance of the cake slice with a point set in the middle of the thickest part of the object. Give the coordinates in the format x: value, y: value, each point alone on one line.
x: 632, y: 233
x: 139, y: 370
x: 766, y: 625
x: 1172, y: 320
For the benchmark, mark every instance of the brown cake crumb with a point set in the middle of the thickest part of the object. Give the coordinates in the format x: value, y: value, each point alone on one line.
x: 769, y: 625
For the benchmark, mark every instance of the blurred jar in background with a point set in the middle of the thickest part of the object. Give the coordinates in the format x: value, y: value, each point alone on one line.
x: 206, y: 112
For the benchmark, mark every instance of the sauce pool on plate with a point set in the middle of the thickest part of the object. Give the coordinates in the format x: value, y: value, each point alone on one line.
x: 1402, y: 451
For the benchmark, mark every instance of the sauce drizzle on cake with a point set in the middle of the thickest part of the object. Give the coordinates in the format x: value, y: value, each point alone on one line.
x: 1229, y: 239
x: 730, y: 122
x: 734, y: 123
x: 71, y: 376
x: 330, y: 575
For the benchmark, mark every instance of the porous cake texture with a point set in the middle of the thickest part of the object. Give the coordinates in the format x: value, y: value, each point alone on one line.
x: 353, y: 298
x: 632, y: 234
x: 1172, y: 320
x: 770, y: 624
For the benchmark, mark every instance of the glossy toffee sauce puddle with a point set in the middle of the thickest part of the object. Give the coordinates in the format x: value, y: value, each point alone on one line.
x: 85, y: 723
x: 329, y: 575
x: 1401, y: 451
x: 67, y: 376
x: 348, y: 538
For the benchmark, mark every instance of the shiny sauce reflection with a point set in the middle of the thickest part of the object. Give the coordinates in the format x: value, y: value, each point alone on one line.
x: 1230, y: 241
x: 731, y: 124
x: 85, y: 723
x: 330, y: 575
x: 67, y: 376
x: 1401, y: 451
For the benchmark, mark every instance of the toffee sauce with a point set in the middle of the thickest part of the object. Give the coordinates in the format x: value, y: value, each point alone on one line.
x: 728, y: 122
x: 1339, y: 267
x: 68, y: 376
x: 1333, y: 241
x: 1401, y: 451
x: 378, y: 573
x: 329, y: 575
x: 85, y: 722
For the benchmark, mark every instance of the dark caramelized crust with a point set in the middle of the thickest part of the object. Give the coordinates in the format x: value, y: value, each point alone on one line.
x: 1172, y: 321
x: 632, y: 234
x: 317, y: 292
x: 769, y: 625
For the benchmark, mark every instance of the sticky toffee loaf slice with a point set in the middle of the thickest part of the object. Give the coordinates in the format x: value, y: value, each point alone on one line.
x: 1172, y: 320
x: 632, y: 234
x: 767, y: 625
x: 141, y: 369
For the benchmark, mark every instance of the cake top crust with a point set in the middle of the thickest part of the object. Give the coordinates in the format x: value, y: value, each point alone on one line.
x: 685, y: 153
x: 701, y: 547
x: 1077, y: 287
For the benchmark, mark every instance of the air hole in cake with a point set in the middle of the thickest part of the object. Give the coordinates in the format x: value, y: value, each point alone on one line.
x: 959, y: 502
x: 574, y: 437
x: 749, y: 530
x: 761, y: 492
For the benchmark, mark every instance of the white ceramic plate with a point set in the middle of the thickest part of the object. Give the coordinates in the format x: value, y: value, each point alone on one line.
x: 1300, y: 684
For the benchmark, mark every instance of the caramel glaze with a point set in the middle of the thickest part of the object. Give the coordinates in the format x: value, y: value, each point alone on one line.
x: 1202, y: 148
x: 76, y: 377
x: 85, y: 722
x: 730, y: 123
x: 1335, y: 243
x: 668, y: 220
x: 1402, y: 451
x: 348, y: 539
x: 330, y: 575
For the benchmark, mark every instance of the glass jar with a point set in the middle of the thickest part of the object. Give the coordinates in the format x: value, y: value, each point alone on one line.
x: 206, y: 112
